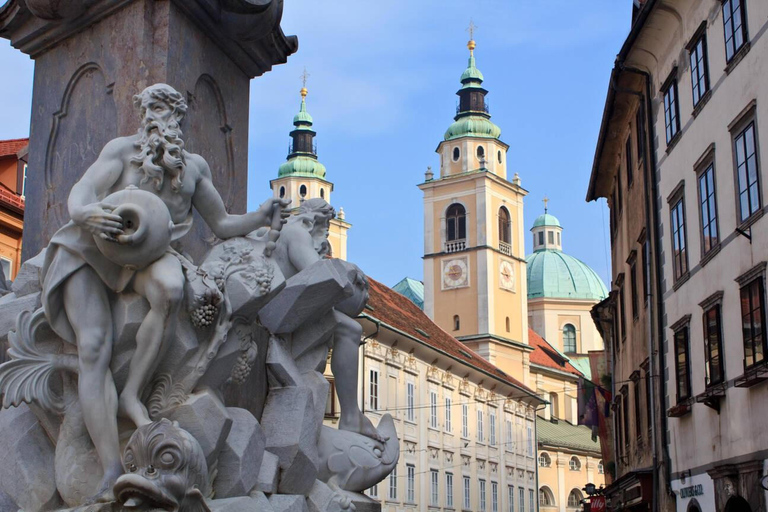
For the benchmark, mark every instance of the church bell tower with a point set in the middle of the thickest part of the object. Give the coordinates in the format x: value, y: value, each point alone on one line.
x: 474, y: 252
x: 302, y: 176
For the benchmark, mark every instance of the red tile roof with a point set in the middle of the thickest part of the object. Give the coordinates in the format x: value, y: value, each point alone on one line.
x: 399, y: 312
x: 546, y: 355
x: 12, y: 146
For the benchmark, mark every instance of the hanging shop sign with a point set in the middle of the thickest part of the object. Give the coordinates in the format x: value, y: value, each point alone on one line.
x: 693, y: 490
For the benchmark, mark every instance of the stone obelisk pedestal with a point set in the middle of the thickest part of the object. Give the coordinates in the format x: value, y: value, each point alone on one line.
x: 94, y: 55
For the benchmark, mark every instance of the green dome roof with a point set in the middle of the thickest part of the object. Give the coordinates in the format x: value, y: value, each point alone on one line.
x: 546, y: 219
x: 473, y: 126
x: 471, y: 73
x: 554, y: 274
x: 303, y: 116
x: 302, y: 166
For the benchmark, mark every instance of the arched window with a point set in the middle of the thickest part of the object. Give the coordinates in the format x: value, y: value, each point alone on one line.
x: 456, y: 222
x: 480, y: 152
x: 600, y: 468
x: 498, y: 155
x: 456, y: 154
x: 569, y: 339
x: 574, y: 499
x: 322, y: 193
x: 303, y: 191
x: 282, y: 192
x: 456, y: 323
x: 554, y: 406
x: 507, y: 324
x: 545, y: 460
x: 546, y: 498
x: 505, y: 231
x: 574, y: 464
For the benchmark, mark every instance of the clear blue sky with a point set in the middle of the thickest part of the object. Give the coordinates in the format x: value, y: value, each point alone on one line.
x: 383, y: 77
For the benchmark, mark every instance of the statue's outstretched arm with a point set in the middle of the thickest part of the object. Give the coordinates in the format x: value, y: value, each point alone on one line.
x: 211, y: 207
x: 84, y: 204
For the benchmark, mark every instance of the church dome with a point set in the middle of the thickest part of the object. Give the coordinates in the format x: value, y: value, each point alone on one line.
x: 554, y: 274
x: 302, y: 166
x: 476, y: 126
x: 546, y: 219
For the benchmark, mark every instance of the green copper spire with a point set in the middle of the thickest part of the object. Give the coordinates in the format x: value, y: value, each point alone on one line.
x: 473, y: 118
x: 302, y: 153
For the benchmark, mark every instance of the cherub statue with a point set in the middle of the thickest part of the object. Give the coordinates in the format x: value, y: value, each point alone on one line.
x: 304, y: 241
x: 85, y: 264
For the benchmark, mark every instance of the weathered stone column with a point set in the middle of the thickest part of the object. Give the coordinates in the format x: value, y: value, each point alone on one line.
x: 92, y: 56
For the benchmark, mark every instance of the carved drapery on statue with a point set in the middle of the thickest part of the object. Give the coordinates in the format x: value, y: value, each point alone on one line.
x: 268, y: 304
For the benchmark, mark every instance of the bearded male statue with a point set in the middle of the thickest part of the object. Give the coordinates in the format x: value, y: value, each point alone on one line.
x: 79, y: 279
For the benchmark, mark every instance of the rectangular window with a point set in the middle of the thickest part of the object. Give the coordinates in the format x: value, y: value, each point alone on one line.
x: 708, y: 206
x: 625, y: 416
x: 492, y: 426
x: 373, y: 492
x: 640, y: 130
x: 480, y: 433
x: 7, y: 266
x: 551, y: 237
x: 449, y: 490
x: 619, y: 191
x: 633, y: 286
x: 448, y: 427
x: 682, y: 368
x: 410, y: 489
x: 521, y: 499
x: 511, y: 498
x: 713, y: 346
x: 622, y: 314
x: 747, y: 172
x: 752, y: 322
x: 531, y: 503
x: 330, y: 403
x: 619, y: 440
x: 679, y: 252
x: 646, y: 249
x: 541, y: 238
x: 481, y: 483
x: 638, y: 416
x: 393, y: 484
x: 509, y: 442
x: 467, y: 495
x: 699, y: 69
x: 373, y: 390
x: 735, y: 25
x: 648, y: 409
x: 464, y: 420
x: 434, y: 498
x: 628, y: 161
x: 494, y: 497
x: 530, y: 441
x: 410, y: 391
x: 671, y: 111
x: 433, y: 409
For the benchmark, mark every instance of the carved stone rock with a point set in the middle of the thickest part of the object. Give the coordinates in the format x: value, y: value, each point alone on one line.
x: 205, y: 417
x: 257, y: 502
x: 27, y: 279
x: 291, y: 432
x: 27, y: 472
x: 288, y: 503
x: 324, y: 499
x: 240, y: 459
x: 268, y: 474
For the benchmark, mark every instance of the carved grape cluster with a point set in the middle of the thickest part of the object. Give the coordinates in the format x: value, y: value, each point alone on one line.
x: 242, y: 368
x: 203, y: 316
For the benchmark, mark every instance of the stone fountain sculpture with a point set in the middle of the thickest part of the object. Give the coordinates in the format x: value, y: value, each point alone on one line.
x: 122, y: 348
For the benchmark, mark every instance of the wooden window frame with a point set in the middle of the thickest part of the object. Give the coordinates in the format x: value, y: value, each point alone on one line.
x: 707, y: 222
x: 682, y: 347
x: 671, y: 106
x: 743, y: 28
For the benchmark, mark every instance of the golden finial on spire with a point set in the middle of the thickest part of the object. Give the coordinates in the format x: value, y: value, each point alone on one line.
x: 546, y: 203
x: 471, y: 29
x: 304, y: 77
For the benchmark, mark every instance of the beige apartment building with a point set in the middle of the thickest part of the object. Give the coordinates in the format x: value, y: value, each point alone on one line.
x: 699, y: 68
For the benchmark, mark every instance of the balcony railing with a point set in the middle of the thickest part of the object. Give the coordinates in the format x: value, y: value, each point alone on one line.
x: 455, y: 245
x: 505, y: 248
x: 314, y: 148
x: 484, y: 108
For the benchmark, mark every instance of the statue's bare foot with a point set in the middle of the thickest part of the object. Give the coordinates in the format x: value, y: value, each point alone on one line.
x: 130, y: 407
x: 105, y: 494
x: 362, y: 425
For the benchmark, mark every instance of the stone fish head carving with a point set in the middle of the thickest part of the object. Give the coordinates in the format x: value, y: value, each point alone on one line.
x: 165, y: 469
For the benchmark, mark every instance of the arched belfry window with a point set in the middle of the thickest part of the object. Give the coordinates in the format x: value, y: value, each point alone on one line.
x: 505, y: 226
x: 282, y: 192
x: 456, y: 222
x: 303, y: 191
x: 569, y: 339
x: 456, y: 323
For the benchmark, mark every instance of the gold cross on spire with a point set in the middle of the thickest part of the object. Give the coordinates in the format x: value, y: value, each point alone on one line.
x: 546, y: 202
x: 471, y: 29
x: 304, y: 77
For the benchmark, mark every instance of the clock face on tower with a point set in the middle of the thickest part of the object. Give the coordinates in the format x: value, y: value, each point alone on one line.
x: 507, y: 275
x: 455, y: 273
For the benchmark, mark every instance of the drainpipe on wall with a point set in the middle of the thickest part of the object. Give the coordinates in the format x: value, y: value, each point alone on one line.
x: 652, y: 226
